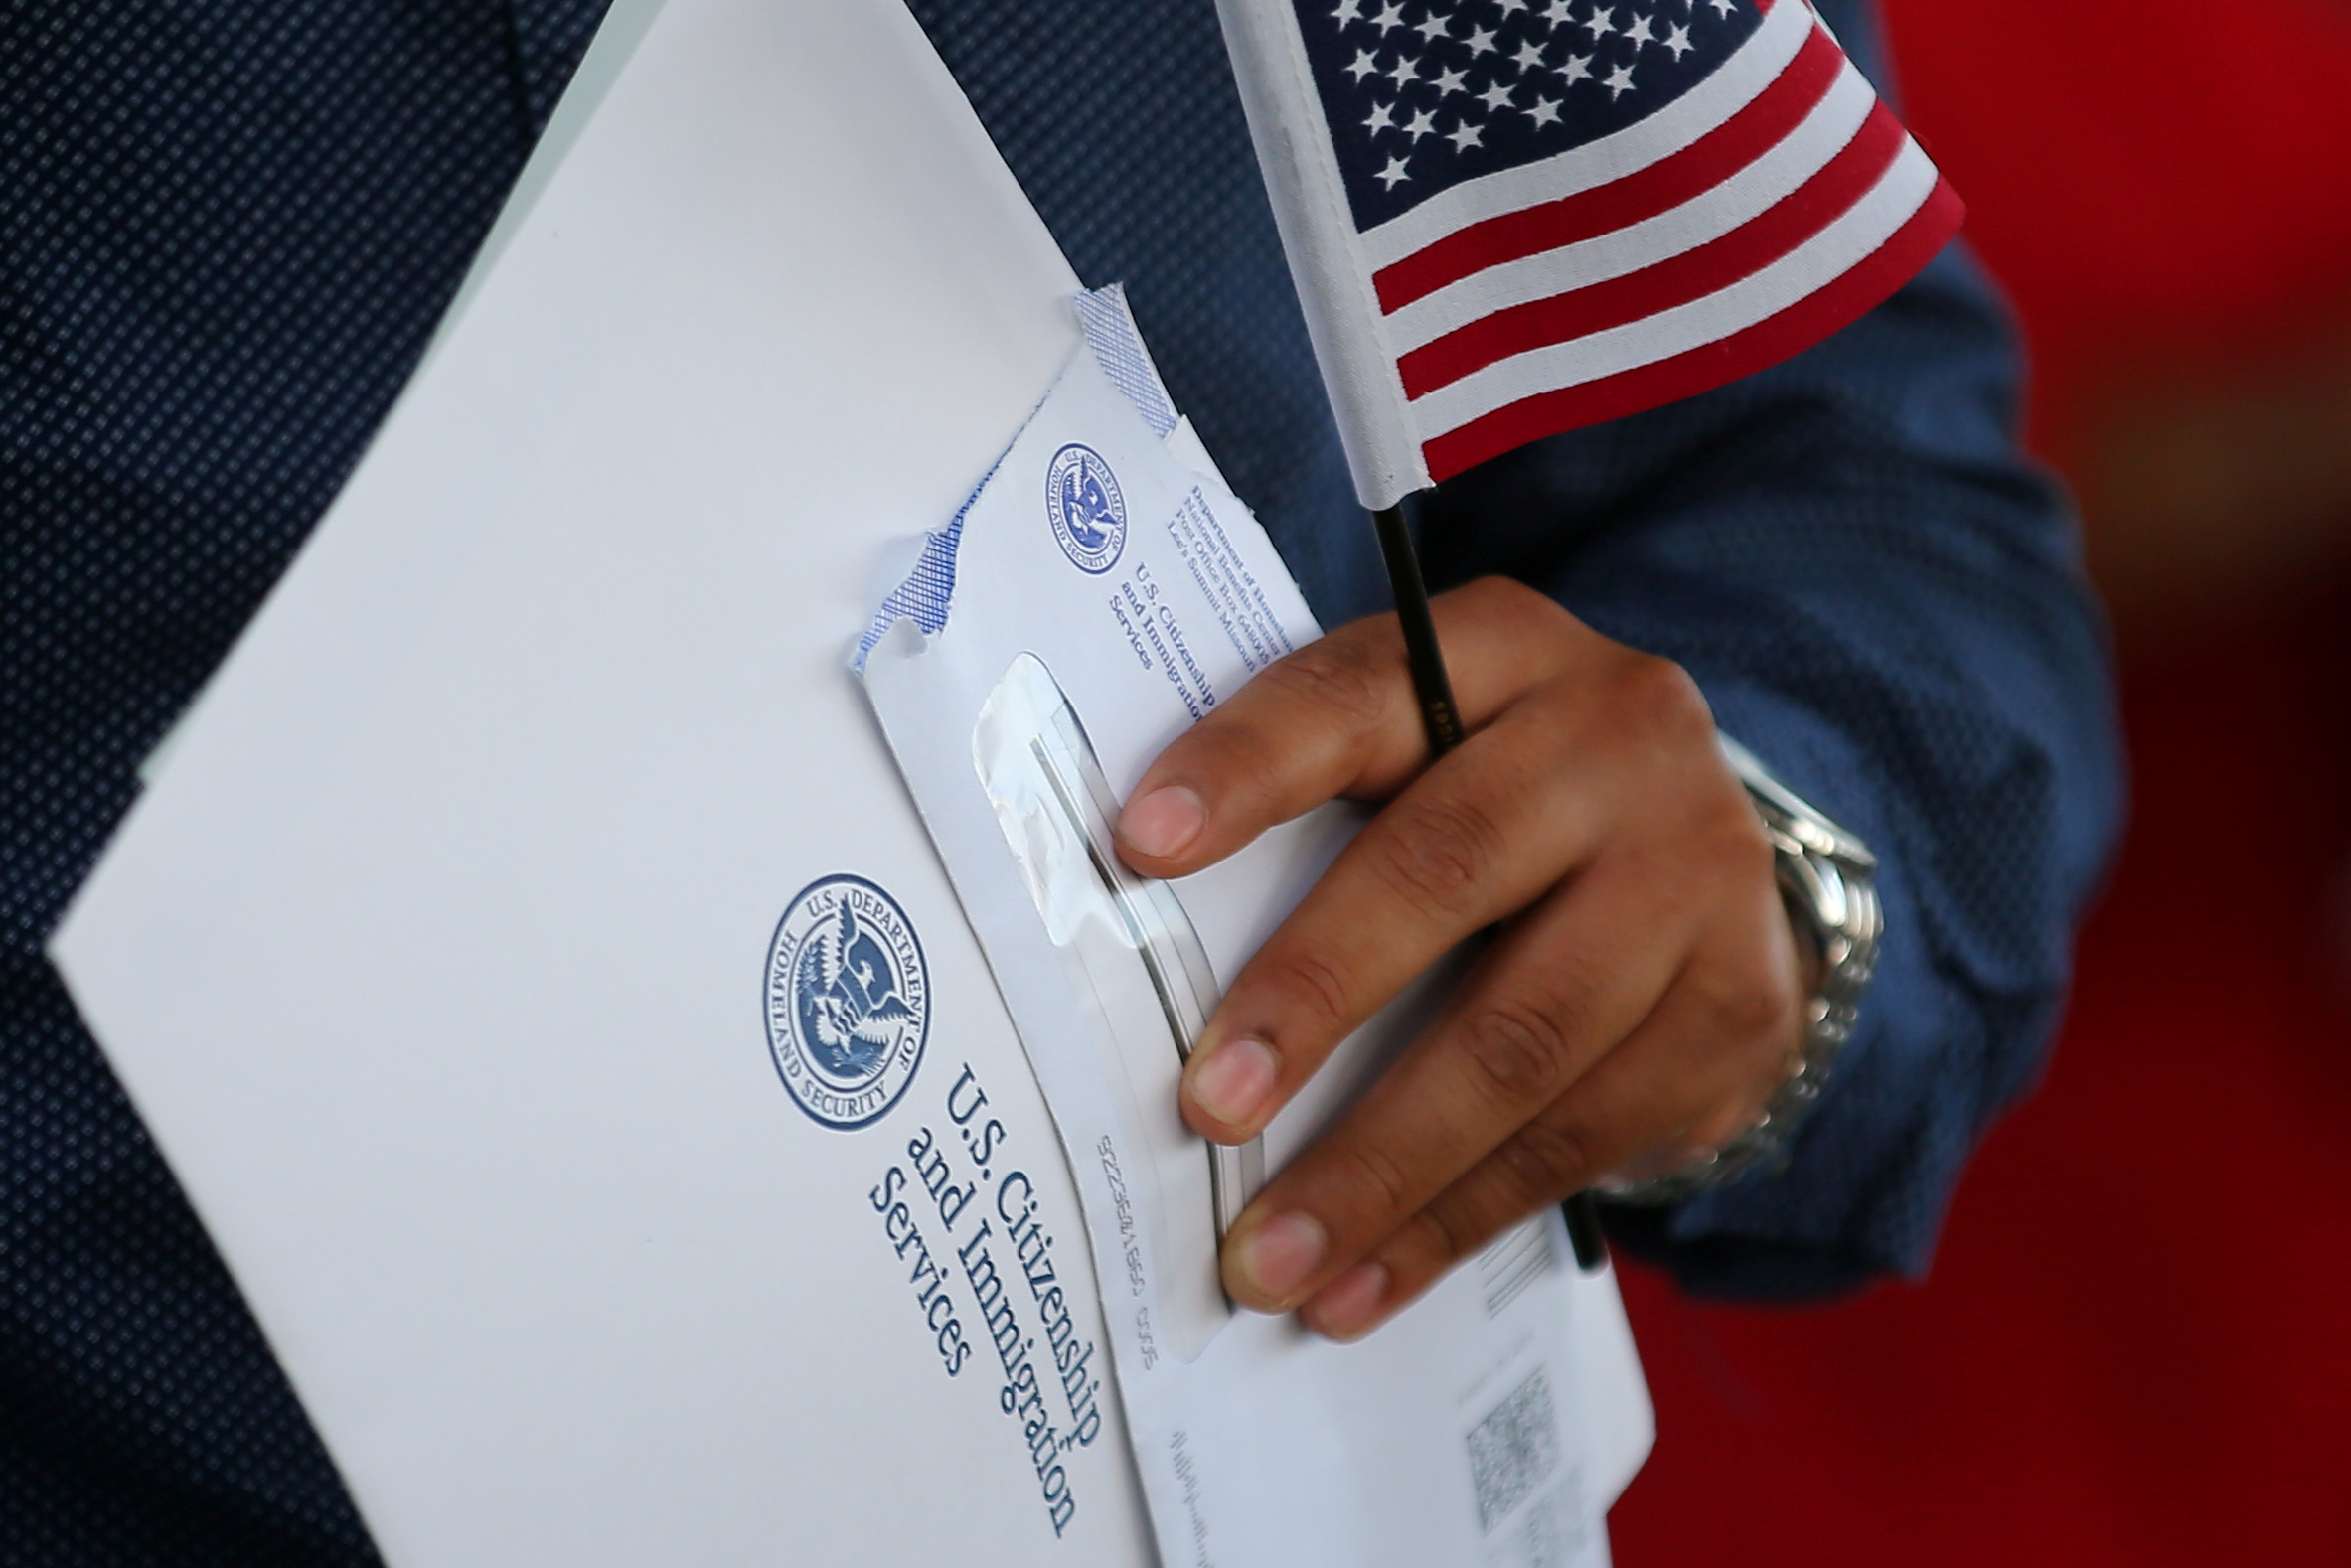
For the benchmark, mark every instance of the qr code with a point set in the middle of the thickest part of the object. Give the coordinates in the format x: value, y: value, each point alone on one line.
x: 1513, y: 1450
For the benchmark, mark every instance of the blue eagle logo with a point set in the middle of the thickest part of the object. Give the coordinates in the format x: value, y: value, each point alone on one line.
x: 1086, y: 507
x: 850, y: 1011
x: 847, y: 997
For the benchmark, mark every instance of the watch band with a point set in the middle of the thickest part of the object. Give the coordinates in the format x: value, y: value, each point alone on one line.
x: 1828, y: 879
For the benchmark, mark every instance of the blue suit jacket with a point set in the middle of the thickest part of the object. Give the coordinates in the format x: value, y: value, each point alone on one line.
x: 227, y: 231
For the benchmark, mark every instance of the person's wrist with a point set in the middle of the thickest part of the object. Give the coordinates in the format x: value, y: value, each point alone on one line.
x: 1827, y: 880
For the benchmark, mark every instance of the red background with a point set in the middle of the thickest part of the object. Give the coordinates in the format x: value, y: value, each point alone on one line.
x: 2134, y: 1348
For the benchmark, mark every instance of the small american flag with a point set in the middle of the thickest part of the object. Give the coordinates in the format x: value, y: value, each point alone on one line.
x: 1513, y: 217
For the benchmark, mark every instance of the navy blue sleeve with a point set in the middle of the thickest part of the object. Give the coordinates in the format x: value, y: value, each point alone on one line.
x: 1882, y: 599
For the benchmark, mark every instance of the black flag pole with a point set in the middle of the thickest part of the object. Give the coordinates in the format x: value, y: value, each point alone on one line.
x: 1430, y: 682
x: 1443, y: 723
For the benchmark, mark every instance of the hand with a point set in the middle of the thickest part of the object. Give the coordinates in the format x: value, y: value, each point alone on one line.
x: 1638, y: 1007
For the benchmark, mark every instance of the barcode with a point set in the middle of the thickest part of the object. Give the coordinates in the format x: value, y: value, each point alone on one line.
x: 1513, y: 1450
x: 1516, y: 1259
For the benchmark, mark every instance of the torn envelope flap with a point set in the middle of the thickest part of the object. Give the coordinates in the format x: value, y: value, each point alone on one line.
x: 923, y: 595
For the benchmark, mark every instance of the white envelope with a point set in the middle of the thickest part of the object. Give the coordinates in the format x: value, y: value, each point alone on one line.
x: 1103, y: 591
x: 437, y: 958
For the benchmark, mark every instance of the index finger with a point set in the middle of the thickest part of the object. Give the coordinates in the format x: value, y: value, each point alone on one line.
x: 1336, y: 717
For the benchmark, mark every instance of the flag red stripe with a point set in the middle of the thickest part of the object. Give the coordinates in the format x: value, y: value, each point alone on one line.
x: 1754, y: 244
x: 1659, y: 188
x: 1840, y: 302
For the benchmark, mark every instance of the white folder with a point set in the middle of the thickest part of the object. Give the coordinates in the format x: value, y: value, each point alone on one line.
x: 433, y: 957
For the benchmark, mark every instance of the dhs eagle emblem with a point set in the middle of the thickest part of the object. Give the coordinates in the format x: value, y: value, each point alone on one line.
x: 1088, y: 511
x: 848, y: 1000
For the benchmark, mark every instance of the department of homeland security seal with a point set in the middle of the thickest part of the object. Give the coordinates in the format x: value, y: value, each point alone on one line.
x: 1088, y: 511
x: 848, y: 1000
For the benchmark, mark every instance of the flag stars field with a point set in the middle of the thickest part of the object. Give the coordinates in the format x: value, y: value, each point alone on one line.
x: 1497, y: 81
x: 1570, y: 209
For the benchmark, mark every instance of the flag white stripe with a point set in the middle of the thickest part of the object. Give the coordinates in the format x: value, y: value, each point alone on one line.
x: 1820, y: 260
x: 1744, y: 196
x: 1735, y: 83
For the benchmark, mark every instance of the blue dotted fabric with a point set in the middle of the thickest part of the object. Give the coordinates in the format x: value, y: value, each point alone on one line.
x: 225, y: 231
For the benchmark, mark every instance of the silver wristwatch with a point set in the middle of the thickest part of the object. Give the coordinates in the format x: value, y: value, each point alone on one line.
x: 1826, y: 878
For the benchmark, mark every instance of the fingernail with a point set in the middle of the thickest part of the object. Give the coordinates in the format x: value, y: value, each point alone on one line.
x: 1233, y: 1084
x: 1345, y: 1307
x: 1162, y: 822
x: 1279, y: 1254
